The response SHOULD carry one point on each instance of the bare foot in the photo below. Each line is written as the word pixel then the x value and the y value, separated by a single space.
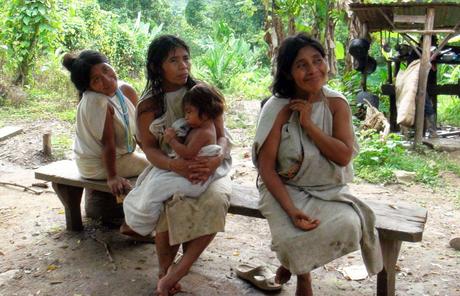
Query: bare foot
pixel 126 230
pixel 167 286
pixel 176 288
pixel 282 275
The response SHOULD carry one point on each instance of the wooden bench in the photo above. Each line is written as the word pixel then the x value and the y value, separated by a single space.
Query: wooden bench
pixel 395 223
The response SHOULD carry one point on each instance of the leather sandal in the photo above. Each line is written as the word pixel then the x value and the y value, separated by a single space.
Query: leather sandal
pixel 260 276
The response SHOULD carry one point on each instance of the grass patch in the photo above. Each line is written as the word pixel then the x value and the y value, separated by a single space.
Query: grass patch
pixel 40 104
pixel 61 144
pixel 449 110
pixel 379 158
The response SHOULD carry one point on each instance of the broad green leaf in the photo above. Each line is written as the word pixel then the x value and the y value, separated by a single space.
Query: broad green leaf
pixel 339 50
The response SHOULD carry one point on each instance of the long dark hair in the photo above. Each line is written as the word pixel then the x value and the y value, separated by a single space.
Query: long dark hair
pixel 80 66
pixel 206 99
pixel 158 52
pixel 283 84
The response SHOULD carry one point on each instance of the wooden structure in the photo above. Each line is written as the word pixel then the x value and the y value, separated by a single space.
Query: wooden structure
pixel 425 19
pixel 395 223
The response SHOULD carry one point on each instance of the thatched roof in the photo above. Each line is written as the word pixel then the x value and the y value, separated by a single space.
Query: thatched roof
pixel 447 14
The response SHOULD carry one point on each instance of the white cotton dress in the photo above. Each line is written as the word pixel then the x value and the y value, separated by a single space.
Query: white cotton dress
pixel 91 115
pixel 184 218
pixel 317 187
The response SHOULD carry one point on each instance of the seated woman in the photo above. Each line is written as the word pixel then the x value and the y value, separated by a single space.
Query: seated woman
pixel 104 143
pixel 192 222
pixel 192 136
pixel 303 147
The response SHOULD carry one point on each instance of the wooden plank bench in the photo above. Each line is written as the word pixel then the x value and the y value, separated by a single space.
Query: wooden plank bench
pixel 395 223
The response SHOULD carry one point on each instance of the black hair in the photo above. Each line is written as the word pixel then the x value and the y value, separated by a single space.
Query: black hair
pixel 80 66
pixel 283 85
pixel 206 99
pixel 158 52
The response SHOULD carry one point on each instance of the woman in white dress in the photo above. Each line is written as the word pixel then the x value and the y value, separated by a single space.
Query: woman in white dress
pixel 104 142
pixel 303 149
pixel 191 222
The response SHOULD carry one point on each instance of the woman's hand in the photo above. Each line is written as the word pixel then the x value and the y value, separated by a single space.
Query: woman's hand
pixel 180 166
pixel 304 108
pixel 119 185
pixel 303 221
pixel 203 167
pixel 169 134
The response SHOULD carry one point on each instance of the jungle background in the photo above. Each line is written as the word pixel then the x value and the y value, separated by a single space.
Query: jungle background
pixel 232 46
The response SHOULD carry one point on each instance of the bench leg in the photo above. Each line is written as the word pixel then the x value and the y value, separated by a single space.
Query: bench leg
pixel 386 278
pixel 70 197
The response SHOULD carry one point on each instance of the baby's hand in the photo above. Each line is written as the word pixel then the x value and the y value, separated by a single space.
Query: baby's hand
pixel 169 134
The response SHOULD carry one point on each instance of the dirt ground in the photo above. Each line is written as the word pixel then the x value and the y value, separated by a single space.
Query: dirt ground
pixel 39 257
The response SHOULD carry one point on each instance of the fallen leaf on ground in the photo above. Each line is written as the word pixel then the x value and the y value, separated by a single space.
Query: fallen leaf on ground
pixel 354 272
pixel 52 267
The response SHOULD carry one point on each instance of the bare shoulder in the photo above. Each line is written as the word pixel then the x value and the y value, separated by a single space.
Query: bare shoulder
pixel 129 92
pixel 337 104
pixel 146 106
pixel 204 134
pixel 283 116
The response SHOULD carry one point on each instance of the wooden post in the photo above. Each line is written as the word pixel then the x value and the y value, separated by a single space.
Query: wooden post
pixel 364 35
pixel 70 197
pixel 423 79
pixel 386 279
pixel 47 144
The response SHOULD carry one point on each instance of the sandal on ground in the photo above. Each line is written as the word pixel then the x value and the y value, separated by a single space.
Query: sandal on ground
pixel 260 276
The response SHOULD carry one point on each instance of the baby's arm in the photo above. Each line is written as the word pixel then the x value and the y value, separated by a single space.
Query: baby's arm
pixel 197 139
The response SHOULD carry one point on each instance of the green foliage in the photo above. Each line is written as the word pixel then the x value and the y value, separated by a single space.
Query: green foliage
pixel 379 158
pixel 244 17
pixel 194 13
pixel 449 110
pixel 154 12
pixel 62 146
pixel 251 85
pixel 339 50
pixel 30 27
pixel 448 106
pixel 51 94
pixel 225 56
pixel 124 43
pixel 348 84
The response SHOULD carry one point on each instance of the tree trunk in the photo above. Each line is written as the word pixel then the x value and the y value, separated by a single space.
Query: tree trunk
pixel 354 30
pixel 274 35
pixel 24 67
pixel 291 26
pixel 329 43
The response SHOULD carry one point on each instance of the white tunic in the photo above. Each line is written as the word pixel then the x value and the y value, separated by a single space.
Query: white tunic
pixel 91 114
pixel 318 187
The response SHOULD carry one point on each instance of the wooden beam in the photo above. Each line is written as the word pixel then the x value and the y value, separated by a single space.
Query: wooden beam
pixel 425 31
pixel 445 40
pixel 9 131
pixel 387 18
pixel 446 89
pixel 423 79
pixel 419 19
